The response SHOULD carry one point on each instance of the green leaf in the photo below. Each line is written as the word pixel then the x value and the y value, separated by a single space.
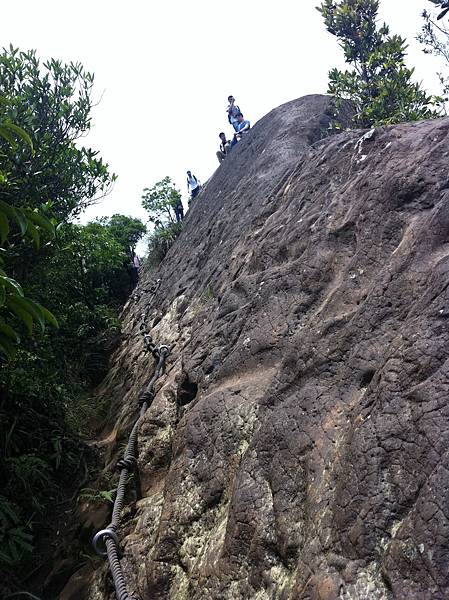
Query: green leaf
pixel 23 315
pixel 21 220
pixel 7 135
pixel 7 209
pixel 32 308
pixel 49 317
pixel 9 332
pixel 12 285
pixel 21 133
pixel 41 222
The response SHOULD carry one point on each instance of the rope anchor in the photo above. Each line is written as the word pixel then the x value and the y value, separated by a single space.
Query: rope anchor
pixel 106 542
pixel 164 350
pixel 99 541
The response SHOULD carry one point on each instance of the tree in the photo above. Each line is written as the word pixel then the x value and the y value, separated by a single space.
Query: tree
pixel 379 86
pixel 434 38
pixel 126 230
pixel 45 175
pixel 160 201
pixel 52 103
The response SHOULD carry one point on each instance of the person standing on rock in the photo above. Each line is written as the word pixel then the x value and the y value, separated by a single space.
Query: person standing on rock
pixel 134 267
pixel 225 147
pixel 243 126
pixel 179 211
pixel 193 185
pixel 233 110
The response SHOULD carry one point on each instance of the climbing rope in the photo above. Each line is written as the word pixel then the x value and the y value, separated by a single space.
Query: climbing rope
pixel 106 542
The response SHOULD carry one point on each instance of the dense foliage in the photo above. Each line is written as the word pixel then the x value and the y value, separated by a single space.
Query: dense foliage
pixel 379 86
pixel 79 273
pixel 52 103
pixel 83 279
pixel 159 201
pixel 126 230
pixel 15 224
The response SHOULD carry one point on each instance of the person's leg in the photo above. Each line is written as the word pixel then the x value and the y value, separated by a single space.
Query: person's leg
pixel 236 125
pixel 221 156
pixel 195 192
pixel 181 213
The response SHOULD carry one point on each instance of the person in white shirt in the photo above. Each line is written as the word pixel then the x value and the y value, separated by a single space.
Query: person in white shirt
pixel 193 185
pixel 232 110
pixel 134 267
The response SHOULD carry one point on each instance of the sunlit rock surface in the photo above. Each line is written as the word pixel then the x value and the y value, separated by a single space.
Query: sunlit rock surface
pixel 298 446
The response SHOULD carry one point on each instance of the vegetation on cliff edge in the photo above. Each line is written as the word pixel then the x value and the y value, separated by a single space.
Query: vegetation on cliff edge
pixel 76 276
pixel 379 86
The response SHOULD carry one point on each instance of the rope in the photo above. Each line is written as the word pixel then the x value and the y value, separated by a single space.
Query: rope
pixel 106 541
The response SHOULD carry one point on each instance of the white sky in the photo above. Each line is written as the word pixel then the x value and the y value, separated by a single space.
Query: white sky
pixel 164 70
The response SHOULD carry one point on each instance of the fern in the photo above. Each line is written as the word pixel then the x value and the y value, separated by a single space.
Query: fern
pixel 15 538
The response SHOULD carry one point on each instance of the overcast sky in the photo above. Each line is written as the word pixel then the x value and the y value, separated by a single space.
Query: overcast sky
pixel 164 70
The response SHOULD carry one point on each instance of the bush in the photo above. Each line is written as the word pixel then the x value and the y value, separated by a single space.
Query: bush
pixel 160 242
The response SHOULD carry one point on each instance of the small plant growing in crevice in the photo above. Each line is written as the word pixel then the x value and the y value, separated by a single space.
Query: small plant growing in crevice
pixel 97 496
pixel 208 294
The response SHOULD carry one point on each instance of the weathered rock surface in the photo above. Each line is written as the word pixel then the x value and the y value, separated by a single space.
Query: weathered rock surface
pixel 298 446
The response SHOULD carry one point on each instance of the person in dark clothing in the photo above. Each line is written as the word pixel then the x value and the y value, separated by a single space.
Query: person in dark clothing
pixel 225 147
pixel 179 211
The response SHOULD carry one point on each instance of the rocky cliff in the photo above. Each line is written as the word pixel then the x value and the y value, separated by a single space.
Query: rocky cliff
pixel 298 445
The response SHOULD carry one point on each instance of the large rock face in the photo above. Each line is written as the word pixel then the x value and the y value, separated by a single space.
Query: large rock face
pixel 298 447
